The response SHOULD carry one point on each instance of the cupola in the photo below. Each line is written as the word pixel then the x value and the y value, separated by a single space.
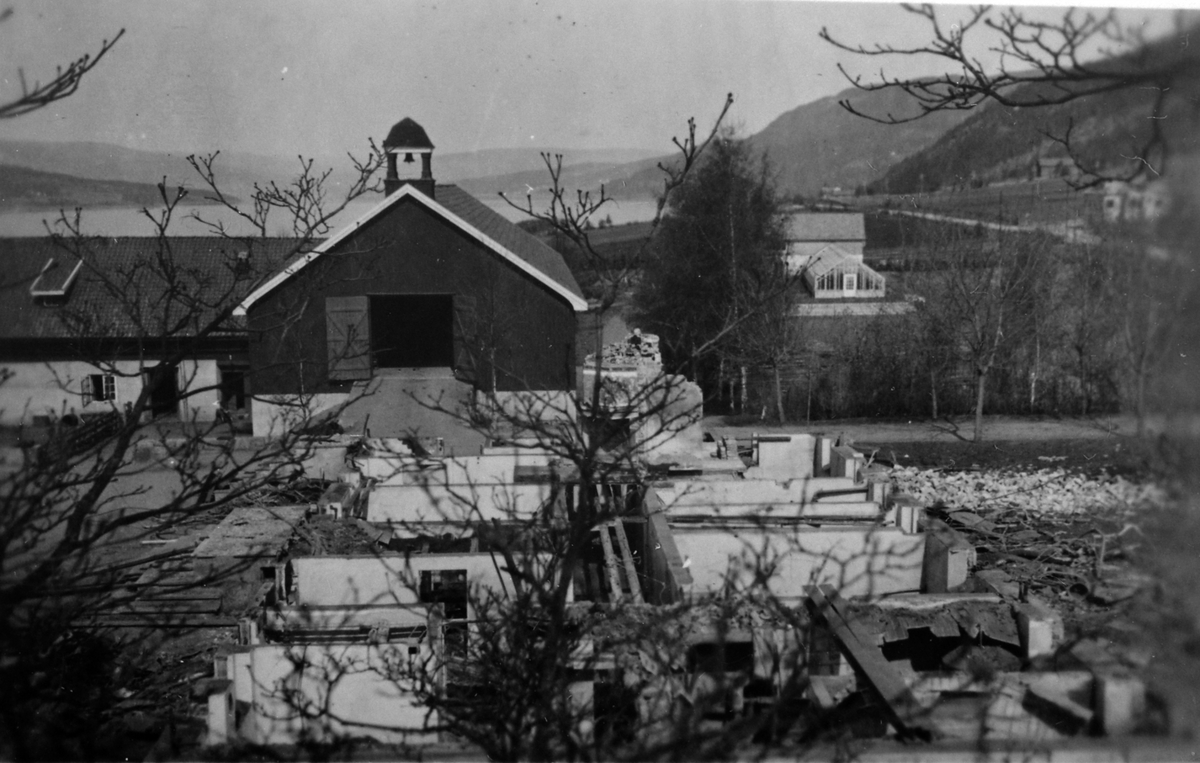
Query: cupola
pixel 405 141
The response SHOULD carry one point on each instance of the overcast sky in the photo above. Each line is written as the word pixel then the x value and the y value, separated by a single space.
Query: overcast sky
pixel 320 77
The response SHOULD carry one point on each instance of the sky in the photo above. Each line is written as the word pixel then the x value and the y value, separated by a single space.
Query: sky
pixel 319 78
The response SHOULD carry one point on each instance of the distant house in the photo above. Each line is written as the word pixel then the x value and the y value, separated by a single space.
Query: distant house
pixel 1048 167
pixel 1135 202
pixel 430 283
pixel 78 336
pixel 826 249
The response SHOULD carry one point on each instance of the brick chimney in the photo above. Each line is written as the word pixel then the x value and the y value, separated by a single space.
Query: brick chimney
pixel 404 143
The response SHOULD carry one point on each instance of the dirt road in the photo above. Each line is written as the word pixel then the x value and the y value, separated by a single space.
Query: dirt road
pixel 998 428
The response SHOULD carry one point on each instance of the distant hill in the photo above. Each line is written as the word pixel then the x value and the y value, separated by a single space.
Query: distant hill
pixel 26 189
pixel 108 162
pixel 814 145
pixel 998 143
pixel 821 144
pixel 621 180
pixel 240 171
pixel 466 168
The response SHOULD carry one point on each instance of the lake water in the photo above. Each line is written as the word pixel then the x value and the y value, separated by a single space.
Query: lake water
pixel 127 221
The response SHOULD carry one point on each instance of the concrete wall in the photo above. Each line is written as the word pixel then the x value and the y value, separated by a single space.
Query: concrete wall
pixel 410 504
pixel 200 375
pixel 275 415
pixel 783 457
pixel 287 682
pixel 340 581
pixel 391 465
pixel 858 560
pixel 55 388
pixel 457 489
pixel 667 580
pixel 766 498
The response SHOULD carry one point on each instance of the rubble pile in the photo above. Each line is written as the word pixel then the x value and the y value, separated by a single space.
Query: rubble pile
pixel 1044 491
pixel 637 349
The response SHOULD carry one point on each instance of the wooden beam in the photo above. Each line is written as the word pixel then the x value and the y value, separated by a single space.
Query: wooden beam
pixel 860 647
pixel 635 588
pixel 610 563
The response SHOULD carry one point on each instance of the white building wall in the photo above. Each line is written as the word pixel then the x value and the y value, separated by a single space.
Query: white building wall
pixel 341 581
pixel 857 560
pixel 56 388
pixel 287 683
pixel 276 415
pixel 203 378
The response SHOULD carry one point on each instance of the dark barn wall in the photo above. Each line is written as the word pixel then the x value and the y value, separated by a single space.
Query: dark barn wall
pixel 410 250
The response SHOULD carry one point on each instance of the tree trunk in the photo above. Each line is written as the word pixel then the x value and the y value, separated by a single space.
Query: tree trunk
pixel 981 381
pixel 721 383
pixel 808 401
pixel 742 404
pixel 933 400
pixel 779 396
pixel 1033 374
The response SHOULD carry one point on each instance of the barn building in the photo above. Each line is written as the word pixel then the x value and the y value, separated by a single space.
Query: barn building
pixel 430 287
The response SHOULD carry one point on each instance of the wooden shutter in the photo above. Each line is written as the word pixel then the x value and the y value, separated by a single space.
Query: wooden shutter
pixel 348 335
pixel 466 339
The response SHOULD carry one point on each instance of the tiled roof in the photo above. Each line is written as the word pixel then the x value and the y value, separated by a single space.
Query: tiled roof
pixel 509 239
pixel 122 290
pixel 508 234
pixel 826 226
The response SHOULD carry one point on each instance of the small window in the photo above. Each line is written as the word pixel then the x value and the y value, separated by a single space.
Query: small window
pixel 99 388
pixel 446 587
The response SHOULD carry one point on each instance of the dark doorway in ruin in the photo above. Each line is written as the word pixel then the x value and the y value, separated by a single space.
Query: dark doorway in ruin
pixel 412 330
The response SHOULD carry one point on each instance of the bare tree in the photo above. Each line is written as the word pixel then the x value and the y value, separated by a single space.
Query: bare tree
pixel 574 218
pixel 986 295
pixel 62 85
pixel 76 510
pixel 1011 58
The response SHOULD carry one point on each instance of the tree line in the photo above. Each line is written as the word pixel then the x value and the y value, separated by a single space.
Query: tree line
pixel 996 321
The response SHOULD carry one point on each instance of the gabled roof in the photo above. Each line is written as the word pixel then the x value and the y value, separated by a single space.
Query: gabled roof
pixel 830 259
pixel 469 215
pixel 118 290
pixel 826 226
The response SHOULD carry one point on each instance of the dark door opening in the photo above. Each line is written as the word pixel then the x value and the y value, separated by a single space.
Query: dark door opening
pixel 412 330
pixel 233 387
pixel 164 397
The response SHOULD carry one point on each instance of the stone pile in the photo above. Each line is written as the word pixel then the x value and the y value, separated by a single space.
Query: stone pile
pixel 1042 491
pixel 637 349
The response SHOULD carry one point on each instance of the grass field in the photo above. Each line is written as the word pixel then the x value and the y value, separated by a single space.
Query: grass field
pixel 1042 202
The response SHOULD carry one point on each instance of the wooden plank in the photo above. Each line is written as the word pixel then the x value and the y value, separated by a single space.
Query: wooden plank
pixel 182 606
pixel 1058 701
pixel 182 594
pixel 610 563
pixel 904 708
pixel 635 588
pixel 173 578
pixel 182 620
pixel 594 587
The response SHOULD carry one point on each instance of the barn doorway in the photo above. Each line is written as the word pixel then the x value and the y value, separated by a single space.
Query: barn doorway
pixel 412 330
